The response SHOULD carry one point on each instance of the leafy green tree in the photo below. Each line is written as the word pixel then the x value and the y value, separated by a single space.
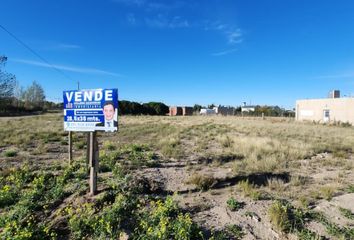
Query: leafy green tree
pixel 211 106
pixel 238 110
pixel 156 108
pixel 274 111
pixel 196 108
pixel 134 108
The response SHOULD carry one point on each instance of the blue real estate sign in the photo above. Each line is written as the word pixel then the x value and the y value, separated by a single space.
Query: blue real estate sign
pixel 91 110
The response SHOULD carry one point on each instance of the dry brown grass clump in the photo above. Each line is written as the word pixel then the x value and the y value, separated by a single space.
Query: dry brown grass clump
pixel 202 182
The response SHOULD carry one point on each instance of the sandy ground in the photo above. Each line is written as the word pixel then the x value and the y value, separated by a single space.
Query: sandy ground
pixel 209 208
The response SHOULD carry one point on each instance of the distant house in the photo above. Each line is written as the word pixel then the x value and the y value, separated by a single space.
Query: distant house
pixel 248 108
pixel 224 110
pixel 175 111
pixel 205 111
pixel 180 111
pixel 187 111
pixel 326 110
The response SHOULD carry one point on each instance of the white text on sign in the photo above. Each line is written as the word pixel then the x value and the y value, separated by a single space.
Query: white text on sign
pixel 89 96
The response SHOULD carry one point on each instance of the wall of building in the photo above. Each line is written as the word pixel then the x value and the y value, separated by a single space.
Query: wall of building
pixel 340 109
pixel 205 111
pixel 224 110
pixel 248 109
pixel 175 111
pixel 187 111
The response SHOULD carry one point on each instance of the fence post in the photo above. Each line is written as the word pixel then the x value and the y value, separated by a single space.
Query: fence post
pixel 87 151
pixel 70 147
pixel 93 163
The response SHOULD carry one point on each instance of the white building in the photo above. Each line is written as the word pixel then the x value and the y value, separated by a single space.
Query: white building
pixel 205 111
pixel 249 108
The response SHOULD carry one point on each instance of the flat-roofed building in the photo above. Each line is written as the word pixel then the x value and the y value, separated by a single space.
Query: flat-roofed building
pixel 248 108
pixel 175 111
pixel 181 111
pixel 205 111
pixel 326 110
pixel 224 111
pixel 187 111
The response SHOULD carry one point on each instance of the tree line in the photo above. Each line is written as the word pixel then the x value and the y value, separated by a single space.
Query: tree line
pixel 135 108
pixel 17 99
pixel 273 111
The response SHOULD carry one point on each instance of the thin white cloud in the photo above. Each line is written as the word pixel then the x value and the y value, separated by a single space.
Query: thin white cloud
pixel 160 21
pixel 221 27
pixel 131 19
pixel 178 22
pixel 235 36
pixel 67 68
pixel 158 6
pixel 149 5
pixel 222 53
pixel 348 75
pixel 67 46
pixel 49 45
pixel 163 15
pixel 163 21
pixel 131 2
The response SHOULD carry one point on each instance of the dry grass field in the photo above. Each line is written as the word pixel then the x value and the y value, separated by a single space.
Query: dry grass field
pixel 179 178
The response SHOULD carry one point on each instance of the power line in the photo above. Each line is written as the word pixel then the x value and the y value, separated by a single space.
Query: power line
pixel 36 54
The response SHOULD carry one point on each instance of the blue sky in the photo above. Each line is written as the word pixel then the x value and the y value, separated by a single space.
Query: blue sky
pixel 184 52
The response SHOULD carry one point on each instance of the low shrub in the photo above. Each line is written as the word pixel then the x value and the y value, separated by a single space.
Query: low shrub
pixel 81 220
pixel 279 215
pixel 306 234
pixel 8 196
pixel 350 189
pixel 115 217
pixel 286 218
pixel 108 145
pixel 229 232
pixel 298 180
pixel 276 184
pixel 80 144
pixel 202 182
pixel 235 231
pixel 163 220
pixel 332 228
pixel 327 192
pixel 28 228
pixel 249 190
pixel 233 204
pixel 227 142
pixel 227 157
pixel 10 153
pixel 346 213
pixel 172 148
pixel 341 154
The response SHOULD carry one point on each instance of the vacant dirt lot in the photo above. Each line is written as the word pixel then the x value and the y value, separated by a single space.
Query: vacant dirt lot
pixel 179 178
